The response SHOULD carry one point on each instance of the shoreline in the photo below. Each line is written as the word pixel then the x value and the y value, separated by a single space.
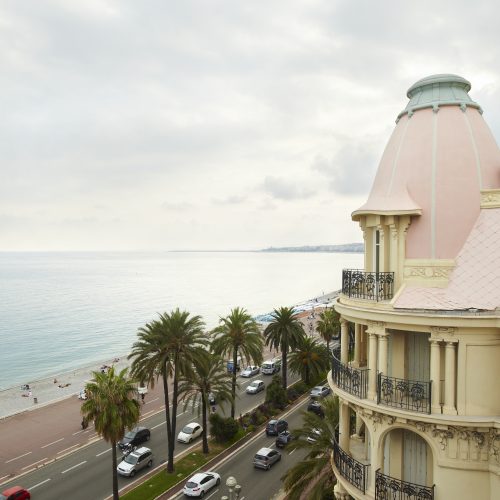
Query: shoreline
pixel 45 391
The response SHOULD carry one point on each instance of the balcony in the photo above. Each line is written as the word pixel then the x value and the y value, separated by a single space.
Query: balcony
pixel 389 488
pixel 405 394
pixel 349 379
pixel 356 473
pixel 358 284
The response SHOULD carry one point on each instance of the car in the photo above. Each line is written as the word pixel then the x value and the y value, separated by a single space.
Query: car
pixel 15 493
pixel 135 461
pixel 189 432
pixel 313 437
pixel 284 438
pixel 275 427
pixel 320 391
pixel 255 387
pixel 250 371
pixel 265 458
pixel 200 483
pixel 211 398
pixel 134 438
pixel 316 407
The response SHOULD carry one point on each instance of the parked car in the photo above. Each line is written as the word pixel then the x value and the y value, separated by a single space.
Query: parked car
pixel 134 438
pixel 265 458
pixel 250 371
pixel 211 398
pixel 135 461
pixel 320 391
pixel 200 483
pixel 255 387
pixel 284 438
pixel 275 427
pixel 15 493
pixel 316 407
pixel 313 437
pixel 190 432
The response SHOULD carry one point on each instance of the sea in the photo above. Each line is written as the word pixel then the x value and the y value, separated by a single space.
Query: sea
pixel 61 311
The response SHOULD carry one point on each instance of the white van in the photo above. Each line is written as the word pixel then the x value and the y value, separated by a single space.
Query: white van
pixel 271 366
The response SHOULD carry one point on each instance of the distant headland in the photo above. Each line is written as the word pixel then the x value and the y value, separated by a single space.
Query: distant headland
pixel 345 248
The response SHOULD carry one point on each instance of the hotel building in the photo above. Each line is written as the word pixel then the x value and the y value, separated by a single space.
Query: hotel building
pixel 419 382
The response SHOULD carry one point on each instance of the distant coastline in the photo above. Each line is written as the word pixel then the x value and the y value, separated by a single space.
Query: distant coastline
pixel 345 248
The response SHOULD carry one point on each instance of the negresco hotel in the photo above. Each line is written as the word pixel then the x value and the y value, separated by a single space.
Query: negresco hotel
pixel 419 388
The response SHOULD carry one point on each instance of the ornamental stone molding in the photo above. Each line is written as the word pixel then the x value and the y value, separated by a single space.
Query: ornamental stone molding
pixel 376 327
pixel 494 445
pixel 490 198
pixel 443 334
pixel 428 272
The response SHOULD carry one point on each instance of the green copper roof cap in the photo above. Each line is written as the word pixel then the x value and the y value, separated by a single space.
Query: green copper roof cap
pixel 439 90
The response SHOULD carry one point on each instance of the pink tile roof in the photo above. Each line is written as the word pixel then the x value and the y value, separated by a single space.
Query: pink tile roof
pixel 474 283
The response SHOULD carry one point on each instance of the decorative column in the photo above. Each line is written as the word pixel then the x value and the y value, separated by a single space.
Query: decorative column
pixel 357 345
pixel 344 431
pixel 381 249
pixel 382 353
pixel 435 363
pixel 372 365
pixel 450 378
pixel 344 341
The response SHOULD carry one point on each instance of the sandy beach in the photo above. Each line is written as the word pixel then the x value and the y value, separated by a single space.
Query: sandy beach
pixel 64 385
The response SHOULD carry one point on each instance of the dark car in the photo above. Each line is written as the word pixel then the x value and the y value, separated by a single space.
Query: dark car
pixel 316 407
pixel 284 438
pixel 134 438
pixel 275 427
pixel 15 493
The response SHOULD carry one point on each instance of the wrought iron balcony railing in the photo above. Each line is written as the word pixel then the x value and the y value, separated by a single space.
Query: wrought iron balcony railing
pixel 389 488
pixel 359 284
pixel 410 395
pixel 350 469
pixel 349 379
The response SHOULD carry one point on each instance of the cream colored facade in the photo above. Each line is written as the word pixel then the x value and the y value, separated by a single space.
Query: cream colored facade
pixel 419 382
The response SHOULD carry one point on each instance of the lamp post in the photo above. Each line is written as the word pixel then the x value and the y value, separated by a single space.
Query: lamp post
pixel 234 489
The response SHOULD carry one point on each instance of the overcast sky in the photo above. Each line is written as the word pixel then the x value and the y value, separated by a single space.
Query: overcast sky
pixel 164 125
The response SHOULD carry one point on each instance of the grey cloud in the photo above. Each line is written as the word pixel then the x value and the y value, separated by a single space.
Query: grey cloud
pixel 283 189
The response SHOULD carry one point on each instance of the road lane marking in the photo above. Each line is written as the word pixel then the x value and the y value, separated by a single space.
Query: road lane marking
pixel 179 414
pixel 74 467
pixel 50 444
pixel 39 484
pixel 212 494
pixel 3 477
pixel 20 456
pixel 158 425
pixel 69 448
pixel 289 454
pixel 77 432
pixel 31 465
pixel 145 415
pixel 103 452
pixel 152 401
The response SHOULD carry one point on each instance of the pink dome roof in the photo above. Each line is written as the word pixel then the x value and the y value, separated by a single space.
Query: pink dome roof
pixel 438 159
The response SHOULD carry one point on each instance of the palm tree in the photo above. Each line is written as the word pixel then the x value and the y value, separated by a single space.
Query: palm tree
pixel 284 332
pixel 209 375
pixel 310 358
pixel 111 403
pixel 167 348
pixel 238 334
pixel 328 326
pixel 313 475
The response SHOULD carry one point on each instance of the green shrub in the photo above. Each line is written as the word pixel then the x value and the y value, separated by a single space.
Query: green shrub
pixel 275 394
pixel 301 387
pixel 223 429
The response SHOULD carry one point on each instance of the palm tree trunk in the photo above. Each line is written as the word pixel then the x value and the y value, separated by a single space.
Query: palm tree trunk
pixel 233 382
pixel 205 424
pixel 115 473
pixel 171 444
pixel 167 413
pixel 284 352
pixel 307 374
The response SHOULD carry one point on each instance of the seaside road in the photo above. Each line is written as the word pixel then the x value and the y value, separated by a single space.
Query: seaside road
pixel 86 472
pixel 258 484
pixel 32 438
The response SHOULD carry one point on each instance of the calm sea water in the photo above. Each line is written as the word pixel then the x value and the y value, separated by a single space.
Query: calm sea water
pixel 61 311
